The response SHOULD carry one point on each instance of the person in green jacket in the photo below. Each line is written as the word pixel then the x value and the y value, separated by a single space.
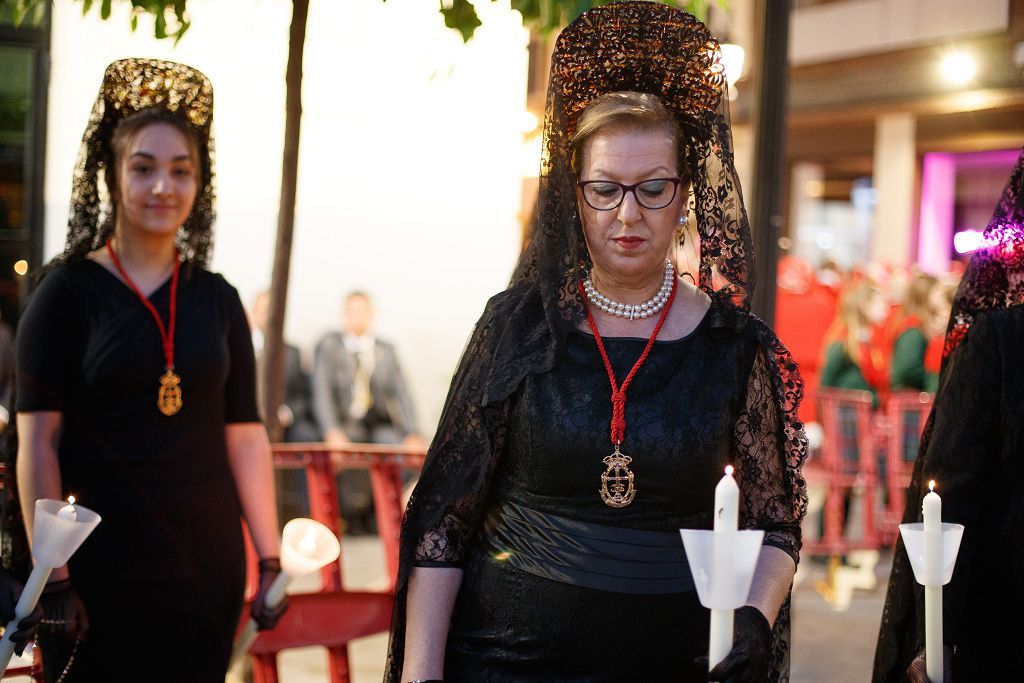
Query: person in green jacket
pixel 910 338
pixel 850 360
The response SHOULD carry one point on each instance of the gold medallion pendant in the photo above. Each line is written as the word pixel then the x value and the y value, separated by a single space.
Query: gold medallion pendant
pixel 169 398
pixel 617 481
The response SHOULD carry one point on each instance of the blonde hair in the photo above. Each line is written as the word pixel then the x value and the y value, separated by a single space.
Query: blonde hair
pixel 916 299
pixel 851 324
pixel 632 111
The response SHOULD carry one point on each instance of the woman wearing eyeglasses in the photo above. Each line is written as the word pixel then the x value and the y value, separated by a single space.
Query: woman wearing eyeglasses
pixel 602 396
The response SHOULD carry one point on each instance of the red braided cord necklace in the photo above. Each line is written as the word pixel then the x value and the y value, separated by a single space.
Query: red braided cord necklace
pixel 617 488
pixel 169 397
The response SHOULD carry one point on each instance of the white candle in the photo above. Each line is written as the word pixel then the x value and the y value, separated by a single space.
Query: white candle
pixel 68 511
pixel 932 510
pixel 727 504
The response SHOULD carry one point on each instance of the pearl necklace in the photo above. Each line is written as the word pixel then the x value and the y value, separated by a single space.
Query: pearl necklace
pixel 628 311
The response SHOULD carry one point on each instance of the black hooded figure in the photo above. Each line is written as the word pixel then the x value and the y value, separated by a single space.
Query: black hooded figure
pixel 973 448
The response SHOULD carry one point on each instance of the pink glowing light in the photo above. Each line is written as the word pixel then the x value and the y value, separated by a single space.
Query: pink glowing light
pixel 967 241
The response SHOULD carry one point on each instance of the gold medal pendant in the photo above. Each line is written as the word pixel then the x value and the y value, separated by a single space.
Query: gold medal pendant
pixel 169 398
pixel 617 481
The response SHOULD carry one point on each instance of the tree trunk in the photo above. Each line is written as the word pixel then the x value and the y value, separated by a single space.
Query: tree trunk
pixel 770 104
pixel 273 350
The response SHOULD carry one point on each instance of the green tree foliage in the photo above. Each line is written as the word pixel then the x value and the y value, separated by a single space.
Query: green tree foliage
pixel 546 16
pixel 170 16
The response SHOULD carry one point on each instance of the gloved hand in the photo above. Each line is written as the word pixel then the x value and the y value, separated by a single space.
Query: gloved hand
pixel 10 590
pixel 749 658
pixel 265 617
pixel 917 672
pixel 63 610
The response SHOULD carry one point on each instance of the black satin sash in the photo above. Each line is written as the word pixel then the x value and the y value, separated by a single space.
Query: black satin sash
pixel 598 556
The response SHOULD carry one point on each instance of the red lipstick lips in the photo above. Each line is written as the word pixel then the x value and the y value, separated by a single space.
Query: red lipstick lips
pixel 630 242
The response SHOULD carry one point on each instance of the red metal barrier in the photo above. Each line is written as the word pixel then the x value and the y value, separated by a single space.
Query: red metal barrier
pixel 334 616
pixel 900 462
pixel 874 437
pixel 842 474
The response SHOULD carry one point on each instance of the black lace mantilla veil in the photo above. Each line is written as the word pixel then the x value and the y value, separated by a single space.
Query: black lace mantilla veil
pixel 629 46
pixel 994 279
pixel 129 86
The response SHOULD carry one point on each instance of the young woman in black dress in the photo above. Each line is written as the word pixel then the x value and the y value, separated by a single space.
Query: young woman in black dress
pixel 136 394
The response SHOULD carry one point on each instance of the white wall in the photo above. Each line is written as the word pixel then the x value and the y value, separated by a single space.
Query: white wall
pixel 410 161
pixel 836 30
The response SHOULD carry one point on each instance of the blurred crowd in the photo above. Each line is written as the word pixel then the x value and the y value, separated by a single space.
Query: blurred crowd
pixel 875 328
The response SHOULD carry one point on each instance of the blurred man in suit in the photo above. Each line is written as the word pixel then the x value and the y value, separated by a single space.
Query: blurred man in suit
pixel 360 396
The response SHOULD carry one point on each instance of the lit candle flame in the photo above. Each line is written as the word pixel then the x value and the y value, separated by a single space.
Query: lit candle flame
pixel 931 485
pixel 729 470
pixel 68 511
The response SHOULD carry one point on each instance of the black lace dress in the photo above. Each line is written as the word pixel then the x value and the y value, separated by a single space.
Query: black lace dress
pixel 162 576
pixel 697 404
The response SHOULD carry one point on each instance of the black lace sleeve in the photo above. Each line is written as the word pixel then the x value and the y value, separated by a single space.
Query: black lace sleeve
pixel 447 508
pixel 479 435
pixel 771 502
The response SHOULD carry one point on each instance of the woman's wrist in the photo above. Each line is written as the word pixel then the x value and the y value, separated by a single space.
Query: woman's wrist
pixel 56 576
pixel 270 564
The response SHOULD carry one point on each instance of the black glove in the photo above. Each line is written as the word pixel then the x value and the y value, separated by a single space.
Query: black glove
pixel 265 617
pixel 748 660
pixel 63 611
pixel 10 590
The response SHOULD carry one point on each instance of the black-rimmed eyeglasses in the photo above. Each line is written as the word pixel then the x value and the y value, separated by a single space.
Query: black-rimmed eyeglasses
pixel 605 195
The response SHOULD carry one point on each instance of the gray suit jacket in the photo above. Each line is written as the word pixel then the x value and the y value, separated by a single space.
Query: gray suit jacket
pixel 333 375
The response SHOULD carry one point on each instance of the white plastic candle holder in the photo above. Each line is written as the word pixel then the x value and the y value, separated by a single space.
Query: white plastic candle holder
pixel 306 547
pixel 55 539
pixel 914 540
pixel 726 587
pixel 723 565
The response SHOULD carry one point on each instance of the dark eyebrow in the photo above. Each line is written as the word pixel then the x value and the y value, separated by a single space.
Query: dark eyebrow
pixel 150 157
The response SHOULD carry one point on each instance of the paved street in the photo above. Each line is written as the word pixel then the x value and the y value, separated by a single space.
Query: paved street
pixel 832 646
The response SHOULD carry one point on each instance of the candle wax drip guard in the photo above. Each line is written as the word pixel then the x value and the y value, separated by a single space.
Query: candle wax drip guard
pixel 914 541
pixel 722 588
